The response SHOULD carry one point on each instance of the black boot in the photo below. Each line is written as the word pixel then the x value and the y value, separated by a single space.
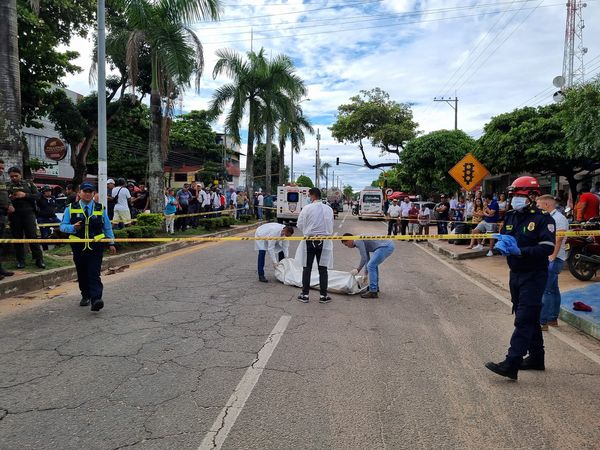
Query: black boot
pixel 530 363
pixel 97 304
pixel 263 279
pixel 503 368
pixel 40 263
pixel 6 273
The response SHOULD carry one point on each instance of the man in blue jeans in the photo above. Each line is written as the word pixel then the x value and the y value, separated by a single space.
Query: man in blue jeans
pixel 277 249
pixel 551 299
pixel 372 253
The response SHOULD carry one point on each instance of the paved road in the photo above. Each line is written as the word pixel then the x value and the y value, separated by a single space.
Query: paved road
pixel 181 333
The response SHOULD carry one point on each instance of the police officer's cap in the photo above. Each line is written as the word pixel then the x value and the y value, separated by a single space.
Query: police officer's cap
pixel 87 186
pixel 46 188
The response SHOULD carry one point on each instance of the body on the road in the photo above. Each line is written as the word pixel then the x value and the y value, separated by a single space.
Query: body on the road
pixel 277 249
pixel 372 254
pixel 87 219
pixel 527 239
pixel 316 219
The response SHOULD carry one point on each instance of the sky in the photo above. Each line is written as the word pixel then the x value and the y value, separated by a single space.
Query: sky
pixel 494 56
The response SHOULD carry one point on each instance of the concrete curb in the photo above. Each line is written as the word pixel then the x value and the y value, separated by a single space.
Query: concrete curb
pixel 588 327
pixel 43 280
pixel 449 253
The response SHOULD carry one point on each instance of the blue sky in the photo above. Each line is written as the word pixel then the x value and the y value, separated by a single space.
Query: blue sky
pixel 494 55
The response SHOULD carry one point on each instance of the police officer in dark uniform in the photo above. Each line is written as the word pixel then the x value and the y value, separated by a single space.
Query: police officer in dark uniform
pixel 23 195
pixel 527 239
pixel 5 208
pixel 87 219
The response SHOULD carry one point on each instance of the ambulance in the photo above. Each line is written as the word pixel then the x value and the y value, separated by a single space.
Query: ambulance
pixel 370 203
pixel 290 201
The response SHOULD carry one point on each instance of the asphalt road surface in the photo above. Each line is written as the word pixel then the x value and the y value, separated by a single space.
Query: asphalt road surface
pixel 191 351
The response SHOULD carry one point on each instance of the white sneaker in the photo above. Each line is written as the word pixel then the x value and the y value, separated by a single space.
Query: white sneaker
pixel 489 253
pixel 478 247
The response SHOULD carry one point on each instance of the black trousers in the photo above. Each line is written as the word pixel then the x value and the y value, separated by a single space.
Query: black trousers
pixel 392 226
pixel 403 225
pixel 24 225
pixel 88 264
pixel 526 291
pixel 314 250
pixel 182 222
pixel 2 231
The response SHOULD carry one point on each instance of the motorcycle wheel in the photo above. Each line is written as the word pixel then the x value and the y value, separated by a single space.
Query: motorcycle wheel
pixel 581 270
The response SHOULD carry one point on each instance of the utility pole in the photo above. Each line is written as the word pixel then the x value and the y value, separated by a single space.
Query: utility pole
pixel 450 100
pixel 327 178
pixel 102 162
pixel 318 163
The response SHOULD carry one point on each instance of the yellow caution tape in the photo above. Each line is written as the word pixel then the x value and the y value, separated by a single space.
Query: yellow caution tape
pixel 291 238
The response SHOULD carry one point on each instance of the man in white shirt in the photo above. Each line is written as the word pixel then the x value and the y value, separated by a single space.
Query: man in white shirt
pixel 206 200
pixel 316 219
pixel 216 201
pixel 277 249
pixel 121 196
pixel 551 300
pixel 405 208
pixel 424 219
pixel 233 198
pixel 394 212
pixel 261 203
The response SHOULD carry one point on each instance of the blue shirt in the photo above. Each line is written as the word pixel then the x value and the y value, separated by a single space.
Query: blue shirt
pixel 170 207
pixel 366 247
pixel 67 227
pixel 493 205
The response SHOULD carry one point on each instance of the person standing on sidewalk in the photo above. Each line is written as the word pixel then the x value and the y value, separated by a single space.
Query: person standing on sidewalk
pixel 46 207
pixel 372 254
pixel 551 299
pixel 23 195
pixel 405 208
pixel 527 239
pixel 277 249
pixel 316 219
pixel 5 208
pixel 393 213
pixel 87 219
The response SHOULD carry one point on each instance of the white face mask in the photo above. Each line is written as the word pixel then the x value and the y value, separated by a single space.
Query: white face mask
pixel 519 203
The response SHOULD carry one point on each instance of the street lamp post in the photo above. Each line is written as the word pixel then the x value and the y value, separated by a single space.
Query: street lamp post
pixel 102 160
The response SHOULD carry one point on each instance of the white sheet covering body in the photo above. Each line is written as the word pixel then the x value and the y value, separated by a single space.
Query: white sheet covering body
pixel 289 272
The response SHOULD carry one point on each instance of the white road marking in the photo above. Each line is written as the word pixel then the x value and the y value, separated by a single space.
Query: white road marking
pixel 556 333
pixel 343 220
pixel 224 422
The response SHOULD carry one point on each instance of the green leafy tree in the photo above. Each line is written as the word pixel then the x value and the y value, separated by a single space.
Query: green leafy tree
pixel 260 164
pixel 162 31
pixel 293 128
pixel 372 116
pixel 265 89
pixel 348 192
pixel 304 181
pixel 426 160
pixel 191 133
pixel 532 140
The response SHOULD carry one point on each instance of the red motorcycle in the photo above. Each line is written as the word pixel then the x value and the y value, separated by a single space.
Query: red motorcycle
pixel 584 251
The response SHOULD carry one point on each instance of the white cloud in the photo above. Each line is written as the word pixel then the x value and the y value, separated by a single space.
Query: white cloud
pixel 502 59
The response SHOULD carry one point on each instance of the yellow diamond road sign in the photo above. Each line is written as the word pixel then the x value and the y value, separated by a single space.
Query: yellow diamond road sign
pixel 469 172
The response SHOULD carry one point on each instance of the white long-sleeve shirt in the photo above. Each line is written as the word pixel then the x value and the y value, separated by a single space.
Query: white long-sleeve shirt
pixel 275 246
pixel 205 198
pixel 316 219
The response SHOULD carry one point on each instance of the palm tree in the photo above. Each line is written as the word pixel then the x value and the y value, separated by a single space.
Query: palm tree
pixel 11 150
pixel 324 173
pixel 267 89
pixel 176 55
pixel 292 128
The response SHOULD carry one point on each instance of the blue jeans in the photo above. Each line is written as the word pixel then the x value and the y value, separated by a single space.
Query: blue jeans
pixel 377 257
pixel 551 299
pixel 261 261
pixel 259 212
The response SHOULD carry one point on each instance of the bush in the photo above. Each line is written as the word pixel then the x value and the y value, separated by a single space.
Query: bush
pixel 149 231
pixel 134 232
pixel 150 220
pixel 120 234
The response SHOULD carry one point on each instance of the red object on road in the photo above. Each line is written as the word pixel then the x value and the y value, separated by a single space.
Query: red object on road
pixel 580 306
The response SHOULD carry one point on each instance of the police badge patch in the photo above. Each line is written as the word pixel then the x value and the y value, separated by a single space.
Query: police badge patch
pixel 551 227
pixel 531 226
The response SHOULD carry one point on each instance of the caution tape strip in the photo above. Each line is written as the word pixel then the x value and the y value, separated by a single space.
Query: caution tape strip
pixel 291 238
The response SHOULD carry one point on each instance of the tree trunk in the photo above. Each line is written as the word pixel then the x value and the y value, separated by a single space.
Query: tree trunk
pixel 268 157
pixel 250 163
pixel 281 167
pixel 155 156
pixel 10 86
pixel 572 187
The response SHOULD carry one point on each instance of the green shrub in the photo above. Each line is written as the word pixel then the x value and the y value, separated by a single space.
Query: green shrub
pixel 134 232
pixel 150 220
pixel 149 231
pixel 120 234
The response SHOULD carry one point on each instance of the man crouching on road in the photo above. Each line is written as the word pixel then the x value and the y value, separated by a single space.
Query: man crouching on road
pixel 278 249
pixel 372 253
pixel 87 219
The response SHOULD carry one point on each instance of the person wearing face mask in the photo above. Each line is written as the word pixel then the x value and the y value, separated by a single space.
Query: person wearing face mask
pixel 527 239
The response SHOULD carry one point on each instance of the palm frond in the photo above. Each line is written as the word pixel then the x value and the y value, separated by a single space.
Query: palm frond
pixel 194 42
pixel 190 11
pixel 135 41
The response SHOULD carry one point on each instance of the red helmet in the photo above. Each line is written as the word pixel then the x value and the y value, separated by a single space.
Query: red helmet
pixel 525 186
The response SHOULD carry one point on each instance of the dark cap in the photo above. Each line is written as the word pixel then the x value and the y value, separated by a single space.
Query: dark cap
pixel 87 187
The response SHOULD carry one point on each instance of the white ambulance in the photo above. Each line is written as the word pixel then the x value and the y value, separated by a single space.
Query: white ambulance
pixel 290 201
pixel 370 203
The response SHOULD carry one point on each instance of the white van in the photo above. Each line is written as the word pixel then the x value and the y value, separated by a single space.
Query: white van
pixel 370 203
pixel 290 201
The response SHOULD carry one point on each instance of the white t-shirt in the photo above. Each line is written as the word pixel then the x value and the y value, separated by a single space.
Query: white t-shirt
pixel 562 224
pixel 122 198
pixel 424 215
pixel 261 200
pixel 394 210
pixel 405 207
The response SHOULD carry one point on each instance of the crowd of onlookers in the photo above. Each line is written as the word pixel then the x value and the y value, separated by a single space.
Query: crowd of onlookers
pixel 474 213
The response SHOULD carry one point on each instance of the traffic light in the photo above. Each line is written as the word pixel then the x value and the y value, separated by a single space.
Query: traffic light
pixel 337 161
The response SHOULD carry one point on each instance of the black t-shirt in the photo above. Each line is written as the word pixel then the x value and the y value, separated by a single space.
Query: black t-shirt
pixel 444 215
pixel 140 200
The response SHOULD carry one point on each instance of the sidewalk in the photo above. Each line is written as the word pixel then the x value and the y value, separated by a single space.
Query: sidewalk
pixel 495 270
pixel 23 282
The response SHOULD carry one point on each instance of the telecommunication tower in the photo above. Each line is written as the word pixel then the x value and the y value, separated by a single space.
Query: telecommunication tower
pixel 573 69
